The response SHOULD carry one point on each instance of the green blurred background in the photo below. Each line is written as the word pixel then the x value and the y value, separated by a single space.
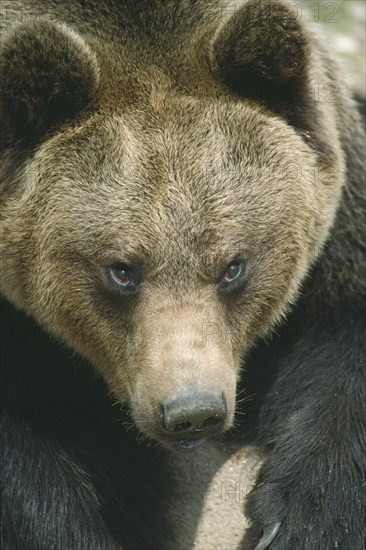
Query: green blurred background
pixel 343 24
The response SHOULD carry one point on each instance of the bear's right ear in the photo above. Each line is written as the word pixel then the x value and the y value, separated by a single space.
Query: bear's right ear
pixel 47 74
pixel 262 52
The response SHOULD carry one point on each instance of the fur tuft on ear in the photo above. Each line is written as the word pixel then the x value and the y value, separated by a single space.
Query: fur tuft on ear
pixel 47 73
pixel 262 51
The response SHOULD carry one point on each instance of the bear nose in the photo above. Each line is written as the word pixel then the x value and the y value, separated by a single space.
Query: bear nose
pixel 200 411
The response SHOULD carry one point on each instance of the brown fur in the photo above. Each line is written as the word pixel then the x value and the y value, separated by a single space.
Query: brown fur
pixel 164 165
pixel 177 137
pixel 171 168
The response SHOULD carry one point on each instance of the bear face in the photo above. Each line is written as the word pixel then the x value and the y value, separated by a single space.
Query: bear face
pixel 150 236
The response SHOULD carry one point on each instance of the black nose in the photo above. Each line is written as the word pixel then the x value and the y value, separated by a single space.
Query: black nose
pixel 199 411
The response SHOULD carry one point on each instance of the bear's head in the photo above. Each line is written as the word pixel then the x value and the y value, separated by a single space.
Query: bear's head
pixel 159 220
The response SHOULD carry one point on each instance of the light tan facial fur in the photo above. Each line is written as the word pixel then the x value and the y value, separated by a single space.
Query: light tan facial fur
pixel 179 182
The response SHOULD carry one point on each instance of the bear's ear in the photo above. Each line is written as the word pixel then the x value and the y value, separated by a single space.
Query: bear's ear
pixel 47 73
pixel 262 51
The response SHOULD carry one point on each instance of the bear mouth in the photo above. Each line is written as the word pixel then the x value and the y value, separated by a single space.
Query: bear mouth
pixel 187 441
pixel 187 444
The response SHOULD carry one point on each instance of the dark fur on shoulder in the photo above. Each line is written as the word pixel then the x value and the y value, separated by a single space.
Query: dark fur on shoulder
pixel 310 410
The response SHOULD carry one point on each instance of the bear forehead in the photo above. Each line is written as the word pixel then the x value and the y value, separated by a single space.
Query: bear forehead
pixel 182 145
pixel 176 173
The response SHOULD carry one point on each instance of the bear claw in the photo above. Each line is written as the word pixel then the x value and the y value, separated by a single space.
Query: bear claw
pixel 269 533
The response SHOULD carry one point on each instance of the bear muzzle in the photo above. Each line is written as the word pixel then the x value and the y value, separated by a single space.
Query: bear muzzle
pixel 190 418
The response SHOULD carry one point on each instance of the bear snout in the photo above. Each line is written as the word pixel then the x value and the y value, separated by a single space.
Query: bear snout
pixel 193 416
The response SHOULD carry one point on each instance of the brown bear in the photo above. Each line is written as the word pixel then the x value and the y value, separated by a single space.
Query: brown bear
pixel 182 223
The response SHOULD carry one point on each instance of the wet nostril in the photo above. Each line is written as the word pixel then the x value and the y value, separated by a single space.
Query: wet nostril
pixel 211 422
pixel 183 427
pixel 167 424
pixel 194 412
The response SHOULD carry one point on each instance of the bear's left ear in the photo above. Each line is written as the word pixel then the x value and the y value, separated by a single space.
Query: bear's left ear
pixel 47 73
pixel 263 52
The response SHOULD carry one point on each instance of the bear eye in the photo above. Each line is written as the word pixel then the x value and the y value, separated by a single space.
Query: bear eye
pixel 124 277
pixel 233 276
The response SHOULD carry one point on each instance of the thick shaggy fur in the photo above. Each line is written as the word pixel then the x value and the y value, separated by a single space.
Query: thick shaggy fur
pixel 177 137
